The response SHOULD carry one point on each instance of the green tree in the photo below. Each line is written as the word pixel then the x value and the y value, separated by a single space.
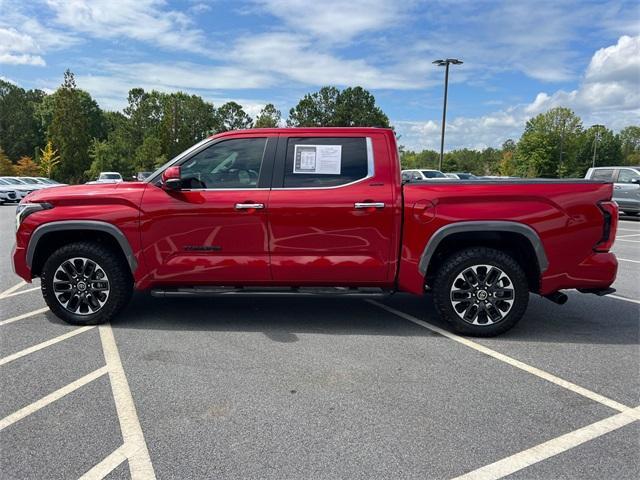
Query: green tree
pixel 600 141
pixel 49 160
pixel 507 165
pixel 6 165
pixel 269 117
pixel 75 120
pixel 231 116
pixel 20 129
pixel 186 119
pixel 629 138
pixel 26 167
pixel 549 145
pixel 149 155
pixel 330 107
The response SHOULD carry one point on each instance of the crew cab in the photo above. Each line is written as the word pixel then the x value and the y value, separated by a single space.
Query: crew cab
pixel 316 211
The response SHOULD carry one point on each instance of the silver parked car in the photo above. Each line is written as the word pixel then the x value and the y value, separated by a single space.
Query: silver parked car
pixel 626 185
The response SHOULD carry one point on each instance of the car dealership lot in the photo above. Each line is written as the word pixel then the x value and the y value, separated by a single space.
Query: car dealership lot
pixel 270 387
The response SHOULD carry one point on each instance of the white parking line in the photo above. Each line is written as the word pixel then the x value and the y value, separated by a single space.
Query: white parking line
pixel 551 448
pixel 596 397
pixel 618 297
pixel 20 292
pixel 24 315
pixel 625 240
pixel 628 229
pixel 140 465
pixel 630 235
pixel 52 397
pixel 12 289
pixel 628 260
pixel 106 466
pixel 40 346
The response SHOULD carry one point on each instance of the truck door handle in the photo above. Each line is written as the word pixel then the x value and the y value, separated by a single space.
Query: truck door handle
pixel 369 205
pixel 249 206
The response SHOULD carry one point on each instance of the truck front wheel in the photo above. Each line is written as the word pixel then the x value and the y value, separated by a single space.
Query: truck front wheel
pixel 85 283
pixel 481 291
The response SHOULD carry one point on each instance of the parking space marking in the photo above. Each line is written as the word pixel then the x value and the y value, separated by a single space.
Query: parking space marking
pixel 551 448
pixel 619 239
pixel 24 315
pixel 106 466
pixel 628 260
pixel 40 346
pixel 596 397
pixel 618 297
pixel 139 460
pixel 52 397
pixel 630 235
pixel 20 292
pixel 628 229
pixel 12 289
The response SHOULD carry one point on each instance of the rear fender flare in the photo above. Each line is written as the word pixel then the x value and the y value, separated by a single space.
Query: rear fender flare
pixel 483 226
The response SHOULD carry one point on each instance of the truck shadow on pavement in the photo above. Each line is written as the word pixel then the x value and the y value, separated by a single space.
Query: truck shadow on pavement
pixel 586 319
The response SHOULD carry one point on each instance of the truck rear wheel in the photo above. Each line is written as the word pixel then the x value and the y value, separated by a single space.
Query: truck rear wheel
pixel 481 291
pixel 85 283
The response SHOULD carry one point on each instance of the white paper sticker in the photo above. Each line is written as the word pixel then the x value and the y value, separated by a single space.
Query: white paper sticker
pixel 317 159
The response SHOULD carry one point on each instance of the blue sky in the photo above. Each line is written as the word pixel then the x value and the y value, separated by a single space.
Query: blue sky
pixel 521 57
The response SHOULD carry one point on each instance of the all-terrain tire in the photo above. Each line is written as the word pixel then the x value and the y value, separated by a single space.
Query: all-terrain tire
pixel 117 273
pixel 495 313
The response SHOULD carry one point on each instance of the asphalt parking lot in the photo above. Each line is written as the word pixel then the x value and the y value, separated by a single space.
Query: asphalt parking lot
pixel 291 388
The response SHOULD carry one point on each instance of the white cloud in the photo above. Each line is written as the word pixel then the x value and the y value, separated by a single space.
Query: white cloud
pixel 18 48
pixel 331 20
pixel 609 94
pixel 297 58
pixel 143 20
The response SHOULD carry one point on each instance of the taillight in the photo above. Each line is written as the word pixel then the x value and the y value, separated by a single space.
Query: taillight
pixel 610 212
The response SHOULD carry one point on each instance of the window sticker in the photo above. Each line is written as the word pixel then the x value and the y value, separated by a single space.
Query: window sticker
pixel 318 159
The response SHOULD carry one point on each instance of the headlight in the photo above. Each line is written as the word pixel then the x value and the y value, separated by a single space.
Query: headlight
pixel 25 209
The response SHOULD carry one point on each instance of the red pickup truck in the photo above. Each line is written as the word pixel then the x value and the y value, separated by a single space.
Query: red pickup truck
pixel 316 211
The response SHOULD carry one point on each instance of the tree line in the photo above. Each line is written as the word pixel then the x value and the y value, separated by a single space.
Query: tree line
pixel 554 144
pixel 67 136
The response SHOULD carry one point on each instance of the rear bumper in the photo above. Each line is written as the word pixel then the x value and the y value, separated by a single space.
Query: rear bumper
pixel 596 272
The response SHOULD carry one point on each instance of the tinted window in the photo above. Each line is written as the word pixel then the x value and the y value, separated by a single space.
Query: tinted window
pixel 228 164
pixel 605 174
pixel 626 176
pixel 406 176
pixel 325 162
pixel 433 174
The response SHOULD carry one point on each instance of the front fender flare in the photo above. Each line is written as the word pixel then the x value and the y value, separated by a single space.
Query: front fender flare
pixel 93 225
pixel 483 226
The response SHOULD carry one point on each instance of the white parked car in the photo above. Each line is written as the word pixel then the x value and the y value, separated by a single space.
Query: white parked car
pixel 626 185
pixel 21 188
pixel 422 174
pixel 8 195
pixel 108 177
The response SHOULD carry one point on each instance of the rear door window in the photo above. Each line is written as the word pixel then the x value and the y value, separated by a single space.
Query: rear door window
pixel 313 162
pixel 626 175
pixel 605 174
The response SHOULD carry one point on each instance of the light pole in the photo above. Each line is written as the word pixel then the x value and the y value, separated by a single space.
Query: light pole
pixel 445 63
pixel 595 143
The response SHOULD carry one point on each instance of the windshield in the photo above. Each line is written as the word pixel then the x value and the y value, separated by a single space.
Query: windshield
pixel 29 180
pixel 14 181
pixel 4 182
pixel 110 176
pixel 433 174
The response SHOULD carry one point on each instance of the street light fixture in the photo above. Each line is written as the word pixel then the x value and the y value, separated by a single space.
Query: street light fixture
pixel 445 63
pixel 596 138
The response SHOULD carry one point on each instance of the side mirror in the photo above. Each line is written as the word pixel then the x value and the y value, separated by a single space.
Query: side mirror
pixel 171 179
pixel 635 180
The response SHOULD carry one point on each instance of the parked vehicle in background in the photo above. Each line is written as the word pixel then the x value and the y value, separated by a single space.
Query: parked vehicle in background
pixel 107 177
pixel 49 181
pixel 23 189
pixel 142 176
pixel 29 181
pixel 462 176
pixel 8 195
pixel 626 186
pixel 421 174
pixel 36 181
pixel 316 211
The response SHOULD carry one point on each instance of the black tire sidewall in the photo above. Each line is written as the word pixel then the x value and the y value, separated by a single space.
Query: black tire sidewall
pixel 464 259
pixel 119 281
